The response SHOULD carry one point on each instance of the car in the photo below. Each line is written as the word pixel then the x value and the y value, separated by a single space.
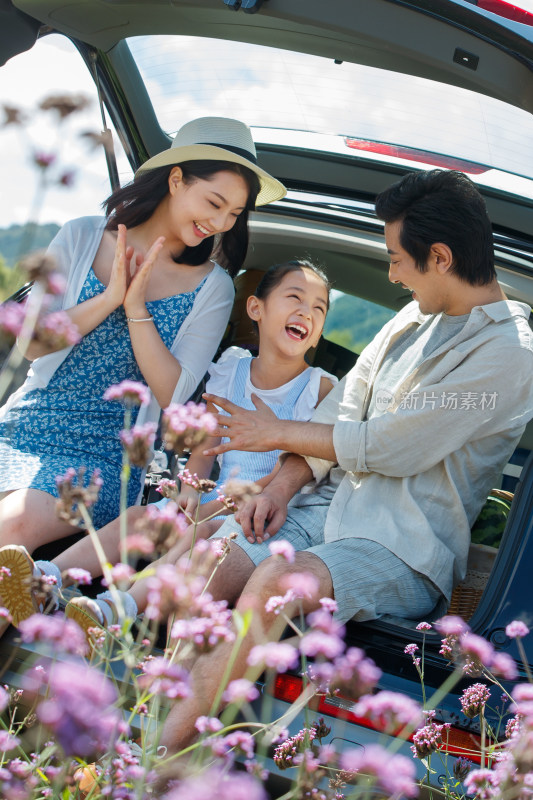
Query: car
pixel 343 99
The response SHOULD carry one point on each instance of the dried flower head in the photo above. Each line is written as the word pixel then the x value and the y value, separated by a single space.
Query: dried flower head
pixel 72 494
pixel 200 485
pixel 98 139
pixel 163 526
pixel 239 492
pixel 168 489
pixel 138 442
pixel 186 426
pixel 12 115
pixel 64 104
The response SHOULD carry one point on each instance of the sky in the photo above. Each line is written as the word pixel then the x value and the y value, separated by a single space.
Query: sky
pixel 60 70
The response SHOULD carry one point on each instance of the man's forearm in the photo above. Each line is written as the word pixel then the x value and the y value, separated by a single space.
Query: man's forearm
pixel 293 474
pixel 304 438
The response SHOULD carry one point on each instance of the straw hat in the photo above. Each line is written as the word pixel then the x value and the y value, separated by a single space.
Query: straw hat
pixel 217 139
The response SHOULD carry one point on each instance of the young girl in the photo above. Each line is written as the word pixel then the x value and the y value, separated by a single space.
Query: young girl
pixel 150 305
pixel 289 308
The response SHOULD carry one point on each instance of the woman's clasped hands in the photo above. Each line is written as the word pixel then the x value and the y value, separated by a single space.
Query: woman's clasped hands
pixel 130 275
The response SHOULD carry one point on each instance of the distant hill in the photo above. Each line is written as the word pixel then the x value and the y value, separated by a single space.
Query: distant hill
pixel 18 240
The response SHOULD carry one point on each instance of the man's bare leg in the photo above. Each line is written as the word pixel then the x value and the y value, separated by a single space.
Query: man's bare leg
pixel 208 671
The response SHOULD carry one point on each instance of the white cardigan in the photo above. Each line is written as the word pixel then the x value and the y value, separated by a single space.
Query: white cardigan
pixel 74 249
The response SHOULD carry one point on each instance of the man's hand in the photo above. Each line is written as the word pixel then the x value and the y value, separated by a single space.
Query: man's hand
pixel 258 511
pixel 246 429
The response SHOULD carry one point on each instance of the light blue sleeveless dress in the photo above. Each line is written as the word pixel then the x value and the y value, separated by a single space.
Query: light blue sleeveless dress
pixel 69 424
pixel 253 466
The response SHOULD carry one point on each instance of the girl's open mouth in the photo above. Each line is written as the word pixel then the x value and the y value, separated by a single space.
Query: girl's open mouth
pixel 298 332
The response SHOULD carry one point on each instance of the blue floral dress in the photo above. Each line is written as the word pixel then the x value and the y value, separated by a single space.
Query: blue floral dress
pixel 69 424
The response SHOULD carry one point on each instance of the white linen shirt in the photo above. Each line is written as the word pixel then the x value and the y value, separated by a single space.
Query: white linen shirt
pixel 415 477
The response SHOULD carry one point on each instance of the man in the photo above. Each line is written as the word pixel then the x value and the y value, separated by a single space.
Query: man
pixel 420 429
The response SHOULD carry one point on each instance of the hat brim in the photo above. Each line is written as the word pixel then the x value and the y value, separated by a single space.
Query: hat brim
pixel 271 189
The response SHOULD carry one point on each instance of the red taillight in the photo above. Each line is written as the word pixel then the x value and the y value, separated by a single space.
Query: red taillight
pixel 457 742
pixel 414 154
pixel 287 688
pixel 507 10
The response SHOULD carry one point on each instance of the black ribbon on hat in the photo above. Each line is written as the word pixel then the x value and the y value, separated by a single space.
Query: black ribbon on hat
pixel 237 150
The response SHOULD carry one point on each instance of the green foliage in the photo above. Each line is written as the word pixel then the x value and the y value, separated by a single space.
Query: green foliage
pixel 11 279
pixel 19 240
pixel 352 322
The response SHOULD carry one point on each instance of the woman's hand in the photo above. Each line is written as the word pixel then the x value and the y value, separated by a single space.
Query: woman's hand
pixel 139 270
pixel 115 291
pixel 246 430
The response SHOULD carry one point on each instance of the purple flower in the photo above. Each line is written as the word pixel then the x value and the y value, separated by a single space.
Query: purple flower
pixel 240 690
pixel 79 709
pixel 478 651
pixel 79 576
pixel 318 643
pixel 138 441
pixel 303 584
pixel 7 741
pixel 281 547
pixel 329 604
pixel 60 632
pixel 522 695
pixel 505 666
pixel 353 674
pixel 275 655
pixel 286 752
pixel 215 782
pixel 56 330
pixel 161 677
pixel 474 699
pixel 411 649
pixel 121 575
pixel 423 626
pixel 186 426
pixel 276 603
pixel 428 738
pixel 451 626
pixel 394 774
pixel 516 629
pixel 72 493
pixel 44 160
pixel 207 630
pixel 208 724
pixel 481 784
pixel 131 393
pixel 139 543
pixel 391 710
pixel 12 317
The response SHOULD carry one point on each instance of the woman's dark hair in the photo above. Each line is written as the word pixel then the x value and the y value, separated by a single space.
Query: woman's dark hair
pixel 275 274
pixel 134 203
pixel 442 206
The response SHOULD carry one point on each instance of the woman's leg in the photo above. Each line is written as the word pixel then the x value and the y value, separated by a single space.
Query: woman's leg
pixel 82 553
pixel 28 517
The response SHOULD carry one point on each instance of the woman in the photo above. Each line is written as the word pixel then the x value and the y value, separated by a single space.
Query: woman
pixel 150 306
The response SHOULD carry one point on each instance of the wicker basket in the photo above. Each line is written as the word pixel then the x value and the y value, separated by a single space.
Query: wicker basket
pixel 467 594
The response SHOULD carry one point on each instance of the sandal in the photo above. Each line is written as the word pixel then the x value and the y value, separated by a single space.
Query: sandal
pixel 16 584
pixel 98 613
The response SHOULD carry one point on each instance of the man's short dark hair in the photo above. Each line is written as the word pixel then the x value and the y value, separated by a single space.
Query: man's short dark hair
pixel 442 206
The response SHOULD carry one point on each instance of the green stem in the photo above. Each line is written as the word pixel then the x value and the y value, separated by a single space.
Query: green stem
pixel 125 473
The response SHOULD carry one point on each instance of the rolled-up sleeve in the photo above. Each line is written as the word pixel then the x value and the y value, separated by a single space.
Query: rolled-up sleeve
pixel 426 427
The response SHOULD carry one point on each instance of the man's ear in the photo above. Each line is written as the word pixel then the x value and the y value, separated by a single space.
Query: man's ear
pixel 174 179
pixel 442 257
pixel 253 308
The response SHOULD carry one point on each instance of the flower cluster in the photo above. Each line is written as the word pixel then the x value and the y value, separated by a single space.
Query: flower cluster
pixel 428 738
pixel 138 442
pixel 162 526
pixel 474 699
pixel 200 485
pixel 186 426
pixel 131 393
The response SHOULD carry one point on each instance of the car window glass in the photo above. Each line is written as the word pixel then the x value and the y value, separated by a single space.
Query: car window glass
pixel 352 322
pixel 274 90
